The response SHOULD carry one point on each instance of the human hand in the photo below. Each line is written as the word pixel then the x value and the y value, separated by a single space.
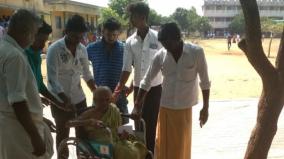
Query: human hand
pixel 136 113
pixel 96 123
pixel 38 146
pixel 203 117
pixel 50 124
pixel 45 102
pixel 124 135
pixel 116 92
pixel 129 90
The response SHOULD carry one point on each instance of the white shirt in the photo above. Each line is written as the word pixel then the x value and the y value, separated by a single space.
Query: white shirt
pixel 180 88
pixel 64 70
pixel 140 54
pixel 17 82
pixel 2 32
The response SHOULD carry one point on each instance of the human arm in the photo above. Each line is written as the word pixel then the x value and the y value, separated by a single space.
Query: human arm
pixel 16 74
pixel 23 116
pixel 50 124
pixel 129 89
pixel 145 84
pixel 204 85
pixel 87 75
pixel 51 99
pixel 84 122
pixel 52 63
pixel 126 70
pixel 85 119
pixel 203 117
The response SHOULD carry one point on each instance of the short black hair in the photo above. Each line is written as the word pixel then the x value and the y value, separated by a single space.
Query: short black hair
pixel 169 31
pixel 76 23
pixel 45 28
pixel 139 8
pixel 111 24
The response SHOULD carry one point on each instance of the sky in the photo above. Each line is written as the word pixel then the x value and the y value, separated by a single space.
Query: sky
pixel 163 7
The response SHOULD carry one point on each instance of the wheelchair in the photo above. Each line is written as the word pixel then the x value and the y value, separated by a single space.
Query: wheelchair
pixel 81 149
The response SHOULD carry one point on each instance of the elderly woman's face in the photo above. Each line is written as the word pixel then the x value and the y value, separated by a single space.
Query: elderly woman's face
pixel 102 99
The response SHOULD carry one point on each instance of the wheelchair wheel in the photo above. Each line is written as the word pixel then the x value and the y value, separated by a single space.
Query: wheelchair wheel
pixel 68 149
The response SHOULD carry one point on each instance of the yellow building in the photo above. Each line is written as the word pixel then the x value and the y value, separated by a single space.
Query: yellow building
pixel 61 10
pixel 7 7
pixel 54 12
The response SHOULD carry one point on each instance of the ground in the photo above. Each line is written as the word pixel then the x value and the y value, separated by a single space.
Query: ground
pixel 233 104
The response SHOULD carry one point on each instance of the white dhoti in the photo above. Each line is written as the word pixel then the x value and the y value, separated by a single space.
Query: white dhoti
pixel 15 143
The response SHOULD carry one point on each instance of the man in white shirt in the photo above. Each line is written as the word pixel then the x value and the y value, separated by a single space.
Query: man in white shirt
pixel 180 64
pixel 140 49
pixel 21 113
pixel 67 60
pixel 2 32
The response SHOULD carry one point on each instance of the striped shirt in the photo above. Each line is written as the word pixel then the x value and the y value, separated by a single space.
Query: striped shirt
pixel 107 66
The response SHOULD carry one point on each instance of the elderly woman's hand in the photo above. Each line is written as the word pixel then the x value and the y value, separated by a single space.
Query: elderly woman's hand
pixel 96 123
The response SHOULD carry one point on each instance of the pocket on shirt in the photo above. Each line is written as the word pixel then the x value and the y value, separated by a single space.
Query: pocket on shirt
pixel 187 74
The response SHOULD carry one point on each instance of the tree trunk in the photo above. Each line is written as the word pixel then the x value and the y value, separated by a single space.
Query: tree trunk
pixel 272 98
pixel 269 46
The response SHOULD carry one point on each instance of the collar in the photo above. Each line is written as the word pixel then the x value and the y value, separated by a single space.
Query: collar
pixel 104 43
pixel 30 51
pixel 150 31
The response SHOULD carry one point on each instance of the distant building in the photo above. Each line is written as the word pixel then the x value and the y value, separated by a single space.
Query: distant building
pixel 61 10
pixel 221 12
pixel 54 12
pixel 8 7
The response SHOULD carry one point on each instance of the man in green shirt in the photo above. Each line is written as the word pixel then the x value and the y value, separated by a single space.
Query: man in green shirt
pixel 33 54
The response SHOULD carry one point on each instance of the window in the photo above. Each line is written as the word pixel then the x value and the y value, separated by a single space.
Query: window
pixel 220 7
pixel 220 19
pixel 58 22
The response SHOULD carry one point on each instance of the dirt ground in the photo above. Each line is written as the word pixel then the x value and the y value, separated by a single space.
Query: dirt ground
pixel 231 74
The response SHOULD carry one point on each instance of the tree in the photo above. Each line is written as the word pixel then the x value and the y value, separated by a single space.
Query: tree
pixel 154 18
pixel 193 20
pixel 119 6
pixel 107 13
pixel 269 26
pixel 272 97
pixel 181 17
pixel 204 25
pixel 238 24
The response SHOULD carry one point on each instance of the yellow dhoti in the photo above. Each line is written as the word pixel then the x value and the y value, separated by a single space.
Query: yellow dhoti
pixel 173 139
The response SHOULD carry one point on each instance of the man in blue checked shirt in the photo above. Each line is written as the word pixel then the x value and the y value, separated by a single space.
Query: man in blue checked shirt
pixel 106 56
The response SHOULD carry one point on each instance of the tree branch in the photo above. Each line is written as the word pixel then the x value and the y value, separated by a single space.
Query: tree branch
pixel 253 45
pixel 280 56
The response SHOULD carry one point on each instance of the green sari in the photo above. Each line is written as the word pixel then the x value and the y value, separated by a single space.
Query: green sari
pixel 122 148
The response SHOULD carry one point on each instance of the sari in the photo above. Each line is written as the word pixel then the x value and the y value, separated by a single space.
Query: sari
pixel 123 148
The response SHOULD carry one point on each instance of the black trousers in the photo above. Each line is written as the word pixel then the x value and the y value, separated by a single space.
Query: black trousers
pixel 61 117
pixel 150 113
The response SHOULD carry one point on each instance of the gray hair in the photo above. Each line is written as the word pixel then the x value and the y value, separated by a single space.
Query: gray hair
pixel 23 21
pixel 102 89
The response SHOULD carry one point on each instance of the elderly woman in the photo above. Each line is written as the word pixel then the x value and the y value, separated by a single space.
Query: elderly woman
pixel 108 114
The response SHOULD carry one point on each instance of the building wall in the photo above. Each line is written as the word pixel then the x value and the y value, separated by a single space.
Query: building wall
pixel 63 10
pixel 55 13
pixel 57 23
pixel 29 4
pixel 221 12
pixel 7 7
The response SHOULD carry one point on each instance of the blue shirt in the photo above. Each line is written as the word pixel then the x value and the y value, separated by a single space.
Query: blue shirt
pixel 107 66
